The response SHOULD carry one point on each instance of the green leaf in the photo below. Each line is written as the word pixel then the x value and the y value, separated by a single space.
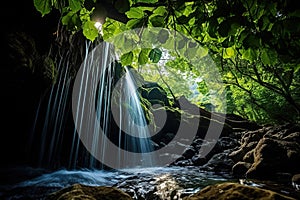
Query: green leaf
pixel 228 26
pixel 126 59
pixel 190 53
pixel 252 41
pixel 265 57
pixel 192 44
pixel 43 6
pixel 268 56
pixel 89 30
pixel 118 41
pixel 155 55
pixel 67 18
pixel 272 7
pixel 161 10
pixel 75 5
pixel 157 21
pixel 249 55
pixel 111 28
pixel 229 52
pixel 134 23
pixel 181 44
pixel 135 13
pixel 297 68
pixel 143 56
pixel 85 15
pixel 202 87
pixel 264 23
pixel 201 52
pixel 163 36
pixel 71 20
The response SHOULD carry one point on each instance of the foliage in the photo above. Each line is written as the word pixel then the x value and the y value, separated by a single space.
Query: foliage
pixel 255 44
pixel 75 16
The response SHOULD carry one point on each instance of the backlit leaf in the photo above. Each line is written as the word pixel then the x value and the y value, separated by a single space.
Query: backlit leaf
pixel 229 52
pixel 143 56
pixel 134 23
pixel 134 13
pixel 126 59
pixel 89 30
pixel 43 6
pixel 268 56
pixel 249 54
pixel 163 36
pixel 155 55
pixel 75 5
pixel 161 10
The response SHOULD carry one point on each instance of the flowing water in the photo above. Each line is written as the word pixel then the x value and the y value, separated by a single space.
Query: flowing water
pixel 108 114
pixel 107 103
pixel 101 86
pixel 144 183
pixel 105 98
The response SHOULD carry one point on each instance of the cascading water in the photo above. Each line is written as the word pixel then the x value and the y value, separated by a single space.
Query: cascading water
pixel 119 115
pixel 47 141
pixel 131 118
pixel 108 109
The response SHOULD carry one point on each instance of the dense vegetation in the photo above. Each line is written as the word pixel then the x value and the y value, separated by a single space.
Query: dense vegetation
pixel 255 44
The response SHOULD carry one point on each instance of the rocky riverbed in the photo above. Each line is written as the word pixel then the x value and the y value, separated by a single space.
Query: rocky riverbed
pixel 262 163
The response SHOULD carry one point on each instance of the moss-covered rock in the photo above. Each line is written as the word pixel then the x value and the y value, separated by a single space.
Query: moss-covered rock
pixel 267 152
pixel 237 192
pixel 272 156
pixel 154 93
pixel 78 191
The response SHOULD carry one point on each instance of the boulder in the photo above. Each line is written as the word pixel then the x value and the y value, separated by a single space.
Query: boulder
pixel 236 191
pixel 273 156
pixel 240 169
pixel 268 152
pixel 79 191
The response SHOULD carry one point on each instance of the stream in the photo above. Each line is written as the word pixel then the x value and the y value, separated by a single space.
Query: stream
pixel 144 183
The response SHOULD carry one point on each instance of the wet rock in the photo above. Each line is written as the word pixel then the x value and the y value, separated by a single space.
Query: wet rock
pixel 249 157
pixel 154 93
pixel 182 163
pixel 240 169
pixel 201 151
pixel 189 152
pixel 78 191
pixel 236 191
pixel 220 162
pixel 271 150
pixel 139 187
pixel 198 160
pixel 272 156
pixel 227 143
pixel 239 154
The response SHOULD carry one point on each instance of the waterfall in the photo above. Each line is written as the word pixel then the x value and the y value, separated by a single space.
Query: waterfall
pixel 108 111
pixel 46 141
pixel 106 114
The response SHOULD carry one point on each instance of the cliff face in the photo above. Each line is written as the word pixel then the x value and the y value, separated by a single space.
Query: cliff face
pixel 20 88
